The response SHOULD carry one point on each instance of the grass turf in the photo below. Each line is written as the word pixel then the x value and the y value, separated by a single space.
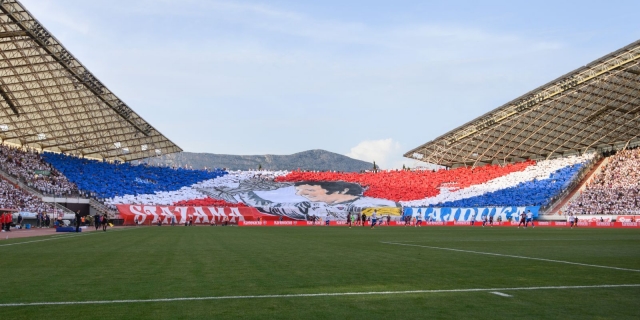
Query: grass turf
pixel 166 262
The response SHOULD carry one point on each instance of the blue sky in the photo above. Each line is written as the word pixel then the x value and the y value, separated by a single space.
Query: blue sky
pixel 369 79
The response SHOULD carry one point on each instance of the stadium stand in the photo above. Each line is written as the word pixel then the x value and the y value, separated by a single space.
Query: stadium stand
pixel 616 190
pixel 589 110
pixel 103 180
pixel 15 198
pixel 29 167
pixel 51 102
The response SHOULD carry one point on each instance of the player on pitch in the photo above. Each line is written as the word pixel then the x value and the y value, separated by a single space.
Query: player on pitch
pixel 374 218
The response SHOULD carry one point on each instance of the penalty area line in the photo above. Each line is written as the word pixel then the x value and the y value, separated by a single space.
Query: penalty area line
pixel 311 295
pixel 511 256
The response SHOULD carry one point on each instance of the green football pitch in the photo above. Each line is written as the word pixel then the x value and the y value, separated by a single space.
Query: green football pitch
pixel 324 273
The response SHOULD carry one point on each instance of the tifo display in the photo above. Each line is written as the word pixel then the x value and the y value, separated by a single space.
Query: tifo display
pixel 301 195
pixel 446 195
pixel 105 180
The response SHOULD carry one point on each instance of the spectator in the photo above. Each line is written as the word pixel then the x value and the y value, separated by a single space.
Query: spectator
pixel 615 190
pixel 29 167
pixel 13 197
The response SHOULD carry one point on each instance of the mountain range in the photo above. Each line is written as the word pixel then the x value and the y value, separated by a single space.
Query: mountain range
pixel 320 160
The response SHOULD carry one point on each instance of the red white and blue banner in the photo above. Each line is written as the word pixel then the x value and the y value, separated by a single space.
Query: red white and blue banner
pixel 312 196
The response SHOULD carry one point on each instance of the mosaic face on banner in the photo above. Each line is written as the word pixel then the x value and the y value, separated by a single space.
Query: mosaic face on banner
pixel 302 199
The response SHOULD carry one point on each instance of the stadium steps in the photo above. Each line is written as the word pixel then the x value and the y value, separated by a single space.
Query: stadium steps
pixel 16 182
pixel 562 203
pixel 100 207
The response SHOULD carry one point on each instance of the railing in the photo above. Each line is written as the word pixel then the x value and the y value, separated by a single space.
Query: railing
pixel 100 207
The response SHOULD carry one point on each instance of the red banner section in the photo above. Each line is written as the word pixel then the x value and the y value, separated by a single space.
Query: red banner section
pixel 201 215
pixel 627 218
pixel 267 223
pixel 252 217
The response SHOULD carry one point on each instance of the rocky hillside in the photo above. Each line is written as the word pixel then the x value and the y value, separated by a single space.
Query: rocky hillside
pixel 306 160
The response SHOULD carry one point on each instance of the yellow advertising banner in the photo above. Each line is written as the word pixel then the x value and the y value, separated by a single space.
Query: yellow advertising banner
pixel 383 211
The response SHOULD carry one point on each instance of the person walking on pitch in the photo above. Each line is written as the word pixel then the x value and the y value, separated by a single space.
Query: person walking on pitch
pixel 530 219
pixel 522 220
pixel 96 221
pixel 374 218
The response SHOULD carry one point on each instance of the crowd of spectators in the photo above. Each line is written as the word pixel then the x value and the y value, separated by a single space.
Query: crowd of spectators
pixel 535 185
pixel 208 202
pixel 12 197
pixel 530 182
pixel 29 167
pixel 103 180
pixel 615 190
pixel 403 185
pixel 193 195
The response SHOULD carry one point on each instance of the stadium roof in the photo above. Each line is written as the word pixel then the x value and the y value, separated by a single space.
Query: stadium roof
pixel 50 101
pixel 594 107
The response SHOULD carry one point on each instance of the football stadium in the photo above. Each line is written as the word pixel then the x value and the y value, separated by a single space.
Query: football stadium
pixel 531 210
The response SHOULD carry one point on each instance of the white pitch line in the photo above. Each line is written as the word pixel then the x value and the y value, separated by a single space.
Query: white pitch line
pixel 512 256
pixel 58 237
pixel 512 240
pixel 25 242
pixel 501 294
pixel 310 295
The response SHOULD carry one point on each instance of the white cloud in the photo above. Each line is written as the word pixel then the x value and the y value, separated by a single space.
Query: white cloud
pixel 382 152
pixel 387 154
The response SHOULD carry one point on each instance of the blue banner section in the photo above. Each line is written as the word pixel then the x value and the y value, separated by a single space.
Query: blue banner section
pixel 469 214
